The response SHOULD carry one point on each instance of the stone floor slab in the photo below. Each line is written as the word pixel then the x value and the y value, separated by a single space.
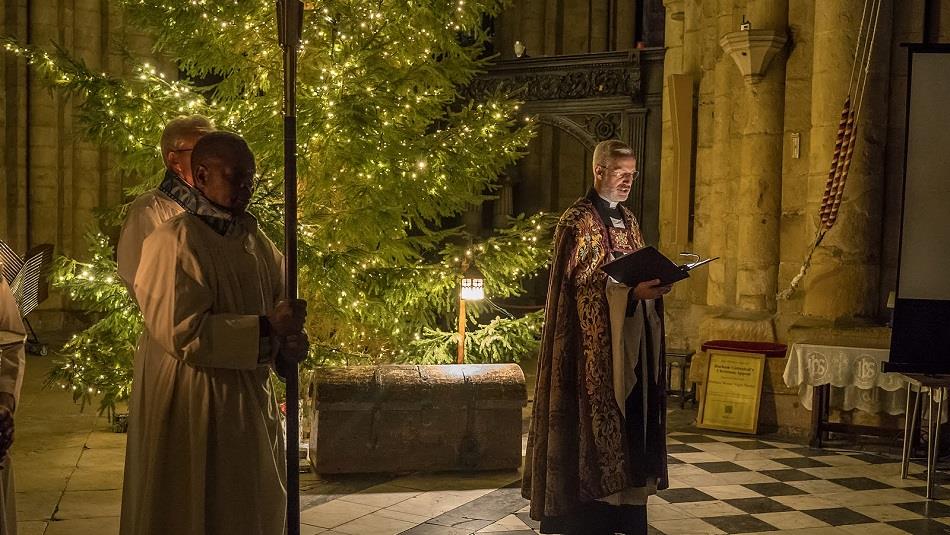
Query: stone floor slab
pixel 89 504
pixel 335 513
pixel 36 505
pixel 84 526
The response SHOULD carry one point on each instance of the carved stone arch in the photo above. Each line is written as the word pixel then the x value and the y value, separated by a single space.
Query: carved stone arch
pixel 576 130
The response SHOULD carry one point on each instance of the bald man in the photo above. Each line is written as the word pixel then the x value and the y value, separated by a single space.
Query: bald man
pixel 211 456
pixel 146 213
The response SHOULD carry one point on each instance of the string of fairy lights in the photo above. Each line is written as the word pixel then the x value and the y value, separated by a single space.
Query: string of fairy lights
pixel 388 155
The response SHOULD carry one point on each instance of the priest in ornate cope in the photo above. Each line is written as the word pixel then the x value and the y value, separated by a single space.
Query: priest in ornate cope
pixel 597 441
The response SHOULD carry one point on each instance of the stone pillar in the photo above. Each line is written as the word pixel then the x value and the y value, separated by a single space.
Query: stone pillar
pixel 760 178
pixel 843 278
pixel 672 64
pixel 89 181
pixel 47 127
pixel 796 164
pixel 472 220
pixel 12 120
pixel 715 158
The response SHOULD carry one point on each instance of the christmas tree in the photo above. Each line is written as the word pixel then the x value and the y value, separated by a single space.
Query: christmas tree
pixel 389 156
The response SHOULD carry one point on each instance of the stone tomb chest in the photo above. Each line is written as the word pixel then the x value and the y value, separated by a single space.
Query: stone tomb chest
pixel 402 418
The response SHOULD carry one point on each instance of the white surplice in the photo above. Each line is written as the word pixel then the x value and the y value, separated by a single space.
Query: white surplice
pixel 208 448
pixel 146 213
pixel 12 366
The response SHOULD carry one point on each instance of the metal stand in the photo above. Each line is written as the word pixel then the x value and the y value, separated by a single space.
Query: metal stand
pixel 937 388
pixel 911 423
pixel 933 438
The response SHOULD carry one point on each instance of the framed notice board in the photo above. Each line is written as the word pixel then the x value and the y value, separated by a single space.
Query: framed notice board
pixel 732 392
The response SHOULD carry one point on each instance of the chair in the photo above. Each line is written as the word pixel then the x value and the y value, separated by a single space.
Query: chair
pixel 29 283
pixel 680 359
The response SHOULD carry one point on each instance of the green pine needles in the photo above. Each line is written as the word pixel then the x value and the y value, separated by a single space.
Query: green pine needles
pixel 390 156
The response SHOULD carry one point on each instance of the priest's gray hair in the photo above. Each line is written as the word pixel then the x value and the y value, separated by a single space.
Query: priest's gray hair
pixel 180 128
pixel 221 146
pixel 607 151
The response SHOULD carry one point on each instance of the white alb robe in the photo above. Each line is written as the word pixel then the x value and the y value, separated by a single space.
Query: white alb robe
pixel 209 449
pixel 146 213
pixel 12 366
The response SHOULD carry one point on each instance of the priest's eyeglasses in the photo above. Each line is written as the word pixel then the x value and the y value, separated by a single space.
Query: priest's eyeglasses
pixel 619 174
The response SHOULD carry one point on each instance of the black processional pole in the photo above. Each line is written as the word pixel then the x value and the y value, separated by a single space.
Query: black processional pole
pixel 289 25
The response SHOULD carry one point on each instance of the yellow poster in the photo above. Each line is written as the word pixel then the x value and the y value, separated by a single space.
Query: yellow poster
pixel 733 390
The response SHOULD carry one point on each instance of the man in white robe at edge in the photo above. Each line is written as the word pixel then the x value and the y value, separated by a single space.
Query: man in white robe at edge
pixel 145 214
pixel 176 191
pixel 209 286
pixel 12 366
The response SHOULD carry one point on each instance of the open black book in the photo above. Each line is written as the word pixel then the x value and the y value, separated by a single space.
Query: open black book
pixel 647 264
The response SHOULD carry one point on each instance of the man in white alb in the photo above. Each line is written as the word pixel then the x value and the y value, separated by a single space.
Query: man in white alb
pixel 212 459
pixel 146 213
pixel 12 365
pixel 154 207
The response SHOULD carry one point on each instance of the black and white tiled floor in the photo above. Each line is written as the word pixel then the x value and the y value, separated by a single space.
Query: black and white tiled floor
pixel 737 485
pixel 719 485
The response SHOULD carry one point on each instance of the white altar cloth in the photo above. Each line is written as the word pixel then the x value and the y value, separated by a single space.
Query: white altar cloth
pixel 854 374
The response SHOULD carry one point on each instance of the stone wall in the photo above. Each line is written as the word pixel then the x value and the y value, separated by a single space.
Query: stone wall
pixel 761 157
pixel 51 180
pixel 756 200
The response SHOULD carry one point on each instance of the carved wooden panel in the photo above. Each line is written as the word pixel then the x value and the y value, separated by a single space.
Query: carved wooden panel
pixel 579 101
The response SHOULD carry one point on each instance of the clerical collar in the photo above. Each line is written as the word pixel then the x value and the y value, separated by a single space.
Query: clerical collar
pixel 596 198
pixel 611 204
pixel 609 211
pixel 219 219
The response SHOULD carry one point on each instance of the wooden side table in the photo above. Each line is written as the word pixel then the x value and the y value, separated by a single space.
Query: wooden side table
pixel 680 358
pixel 818 368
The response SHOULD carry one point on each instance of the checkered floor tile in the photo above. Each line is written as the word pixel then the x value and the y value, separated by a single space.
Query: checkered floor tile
pixel 718 485
pixel 721 484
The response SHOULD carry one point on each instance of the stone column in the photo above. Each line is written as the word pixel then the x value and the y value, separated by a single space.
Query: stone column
pixel 47 124
pixel 89 181
pixel 12 129
pixel 715 158
pixel 760 178
pixel 842 281
pixel 672 64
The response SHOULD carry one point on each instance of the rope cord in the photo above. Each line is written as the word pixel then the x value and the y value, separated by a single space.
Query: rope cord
pixel 867 62
pixel 857 45
pixel 844 147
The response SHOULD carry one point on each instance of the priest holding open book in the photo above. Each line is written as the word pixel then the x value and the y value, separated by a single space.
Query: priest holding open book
pixel 597 441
